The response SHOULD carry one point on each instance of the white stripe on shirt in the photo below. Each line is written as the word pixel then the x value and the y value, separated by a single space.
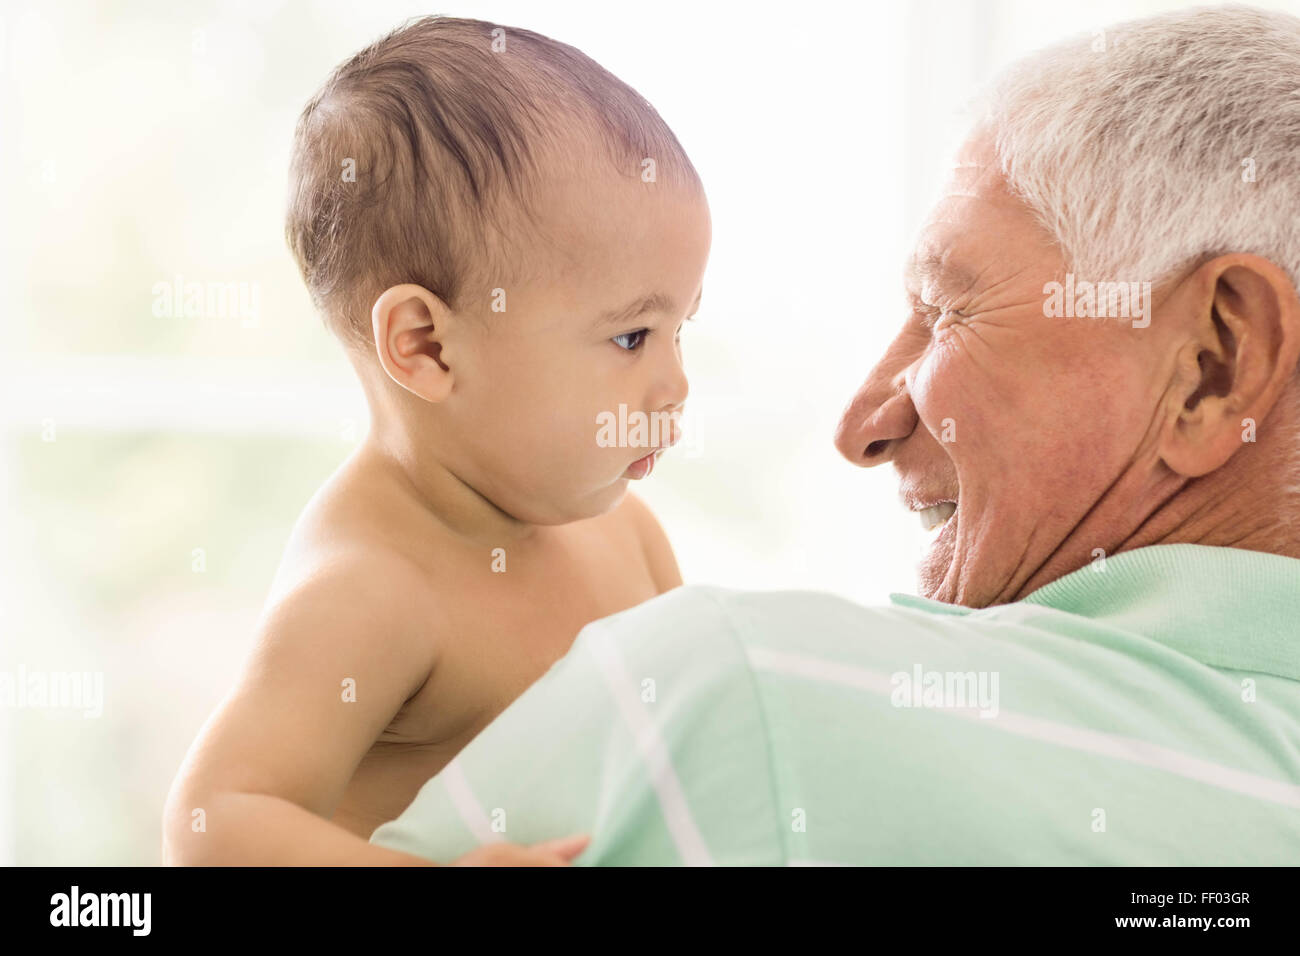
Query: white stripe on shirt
pixel 654 753
pixel 467 805
pixel 1063 735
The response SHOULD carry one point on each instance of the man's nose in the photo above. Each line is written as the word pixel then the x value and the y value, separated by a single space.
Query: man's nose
pixel 880 416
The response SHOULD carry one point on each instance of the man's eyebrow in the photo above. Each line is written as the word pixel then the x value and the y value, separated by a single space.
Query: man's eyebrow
pixel 940 269
pixel 654 302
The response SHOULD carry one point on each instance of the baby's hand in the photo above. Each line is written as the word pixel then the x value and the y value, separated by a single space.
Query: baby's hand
pixel 549 853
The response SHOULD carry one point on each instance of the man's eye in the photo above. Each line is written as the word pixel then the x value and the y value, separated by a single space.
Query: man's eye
pixel 927 315
pixel 631 341
pixel 932 315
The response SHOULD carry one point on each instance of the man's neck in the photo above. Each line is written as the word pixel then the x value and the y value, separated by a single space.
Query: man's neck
pixel 1251 502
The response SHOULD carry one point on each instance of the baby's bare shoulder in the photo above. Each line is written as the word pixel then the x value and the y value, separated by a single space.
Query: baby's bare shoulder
pixel 363 586
pixel 345 556
pixel 634 519
pixel 351 529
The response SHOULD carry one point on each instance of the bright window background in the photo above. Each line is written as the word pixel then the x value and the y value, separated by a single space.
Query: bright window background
pixel 144 141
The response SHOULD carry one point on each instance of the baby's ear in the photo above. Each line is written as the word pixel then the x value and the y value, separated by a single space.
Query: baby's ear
pixel 409 324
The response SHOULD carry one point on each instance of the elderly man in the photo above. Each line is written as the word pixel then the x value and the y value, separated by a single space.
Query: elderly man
pixel 1105 665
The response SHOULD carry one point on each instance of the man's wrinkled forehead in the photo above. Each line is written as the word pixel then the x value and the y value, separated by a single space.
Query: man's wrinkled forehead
pixel 975 169
pixel 976 224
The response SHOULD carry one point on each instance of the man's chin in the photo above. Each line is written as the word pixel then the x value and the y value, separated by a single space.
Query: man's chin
pixel 936 574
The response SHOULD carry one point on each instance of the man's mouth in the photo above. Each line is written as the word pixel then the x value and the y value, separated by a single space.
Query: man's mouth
pixel 933 516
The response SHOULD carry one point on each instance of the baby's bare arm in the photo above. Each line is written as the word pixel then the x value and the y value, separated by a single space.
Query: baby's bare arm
pixel 334 661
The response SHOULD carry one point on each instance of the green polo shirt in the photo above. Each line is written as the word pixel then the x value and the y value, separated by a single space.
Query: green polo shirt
pixel 1144 710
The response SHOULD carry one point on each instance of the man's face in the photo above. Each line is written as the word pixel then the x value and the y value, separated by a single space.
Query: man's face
pixel 1040 430
pixel 592 323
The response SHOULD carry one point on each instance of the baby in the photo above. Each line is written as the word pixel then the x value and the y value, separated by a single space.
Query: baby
pixel 507 239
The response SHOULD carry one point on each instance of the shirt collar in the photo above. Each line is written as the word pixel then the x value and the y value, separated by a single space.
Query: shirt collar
pixel 1226 607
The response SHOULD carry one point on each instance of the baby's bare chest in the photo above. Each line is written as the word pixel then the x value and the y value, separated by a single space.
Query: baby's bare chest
pixel 500 636
pixel 504 629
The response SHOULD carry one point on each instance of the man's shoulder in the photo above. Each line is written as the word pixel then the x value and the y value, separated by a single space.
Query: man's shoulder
pixel 682 627
pixel 802 629
pixel 750 615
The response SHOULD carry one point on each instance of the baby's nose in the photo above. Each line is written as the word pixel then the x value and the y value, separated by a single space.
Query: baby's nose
pixel 674 388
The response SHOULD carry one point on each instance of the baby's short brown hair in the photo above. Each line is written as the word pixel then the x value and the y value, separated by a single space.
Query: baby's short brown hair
pixel 401 160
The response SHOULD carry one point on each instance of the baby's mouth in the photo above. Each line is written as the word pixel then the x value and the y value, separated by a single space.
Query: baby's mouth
pixel 642 467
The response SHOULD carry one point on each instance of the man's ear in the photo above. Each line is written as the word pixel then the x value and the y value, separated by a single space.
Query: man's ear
pixel 411 326
pixel 1243 352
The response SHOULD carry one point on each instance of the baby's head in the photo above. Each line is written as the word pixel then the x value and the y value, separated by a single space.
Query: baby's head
pixel 507 239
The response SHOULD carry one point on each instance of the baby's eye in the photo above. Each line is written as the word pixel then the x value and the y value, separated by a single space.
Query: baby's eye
pixel 631 341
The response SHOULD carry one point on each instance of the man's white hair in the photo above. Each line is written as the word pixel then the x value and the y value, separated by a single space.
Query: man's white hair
pixel 1159 142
